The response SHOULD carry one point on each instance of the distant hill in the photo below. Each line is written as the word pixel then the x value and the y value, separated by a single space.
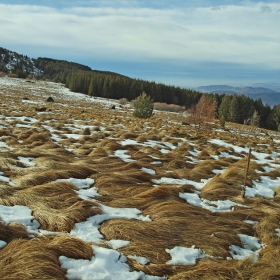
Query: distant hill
pixel 19 64
pixel 273 86
pixel 96 83
pixel 42 67
pixel 268 96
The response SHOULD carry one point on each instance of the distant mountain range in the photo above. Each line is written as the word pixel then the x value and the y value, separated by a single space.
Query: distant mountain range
pixel 268 93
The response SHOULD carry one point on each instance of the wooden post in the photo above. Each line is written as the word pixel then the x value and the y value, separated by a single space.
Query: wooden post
pixel 246 172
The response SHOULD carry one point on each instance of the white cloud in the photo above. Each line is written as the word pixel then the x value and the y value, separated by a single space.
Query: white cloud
pixel 247 34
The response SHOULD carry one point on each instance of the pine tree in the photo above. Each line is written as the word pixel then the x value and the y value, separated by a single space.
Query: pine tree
pixel 92 90
pixel 143 106
pixel 224 107
pixel 255 119
pixel 235 110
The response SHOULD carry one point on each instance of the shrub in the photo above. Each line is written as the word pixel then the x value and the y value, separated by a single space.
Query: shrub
pixel 169 107
pixel 143 106
pixel 123 101
pixel 86 131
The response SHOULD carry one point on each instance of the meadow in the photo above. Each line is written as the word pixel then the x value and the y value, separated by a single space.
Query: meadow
pixel 91 192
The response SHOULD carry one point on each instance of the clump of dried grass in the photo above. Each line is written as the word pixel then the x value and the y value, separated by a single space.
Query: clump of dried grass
pixel 274 173
pixel 176 164
pixel 9 162
pixel 233 173
pixel 12 231
pixel 218 188
pixel 277 191
pixel 176 224
pixel 129 135
pixel 98 152
pixel 38 258
pixel 56 206
pixel 86 131
pixel 59 171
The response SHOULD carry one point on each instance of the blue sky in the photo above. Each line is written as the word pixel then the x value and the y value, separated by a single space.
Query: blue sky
pixel 179 42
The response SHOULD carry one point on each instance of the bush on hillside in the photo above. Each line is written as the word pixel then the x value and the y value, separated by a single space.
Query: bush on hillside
pixel 169 107
pixel 143 106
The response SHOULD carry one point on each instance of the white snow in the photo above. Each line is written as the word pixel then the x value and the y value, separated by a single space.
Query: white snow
pixel 106 264
pixel 2 244
pixel 141 260
pixel 250 222
pixel 185 256
pixel 220 205
pixel 79 183
pixel 251 248
pixel 122 155
pixel 27 161
pixel 88 230
pixel 6 179
pixel 148 170
pixel 21 214
pixel 264 188
pixel 117 243
pixel 88 194
pixel 4 145
pixel 166 180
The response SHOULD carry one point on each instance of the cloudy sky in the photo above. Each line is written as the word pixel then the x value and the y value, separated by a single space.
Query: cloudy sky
pixel 186 43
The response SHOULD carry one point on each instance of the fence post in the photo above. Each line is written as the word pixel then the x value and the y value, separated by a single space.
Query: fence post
pixel 246 172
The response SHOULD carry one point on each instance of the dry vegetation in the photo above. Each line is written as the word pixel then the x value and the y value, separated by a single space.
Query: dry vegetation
pixel 82 139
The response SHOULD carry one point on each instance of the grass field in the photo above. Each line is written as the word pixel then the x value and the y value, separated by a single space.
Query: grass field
pixel 90 192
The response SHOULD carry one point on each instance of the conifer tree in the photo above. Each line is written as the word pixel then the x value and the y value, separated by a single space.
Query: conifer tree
pixel 255 119
pixel 143 106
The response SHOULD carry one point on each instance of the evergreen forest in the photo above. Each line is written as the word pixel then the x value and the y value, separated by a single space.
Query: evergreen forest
pixel 80 78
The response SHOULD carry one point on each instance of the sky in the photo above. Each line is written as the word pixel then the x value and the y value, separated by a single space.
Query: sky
pixel 183 43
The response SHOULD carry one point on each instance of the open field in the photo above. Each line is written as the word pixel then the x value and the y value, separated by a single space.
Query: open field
pixel 89 192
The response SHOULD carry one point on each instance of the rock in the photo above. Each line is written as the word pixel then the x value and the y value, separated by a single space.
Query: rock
pixel 50 99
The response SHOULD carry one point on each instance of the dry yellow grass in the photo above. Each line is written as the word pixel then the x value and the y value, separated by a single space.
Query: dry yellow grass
pixel 37 258
pixel 174 222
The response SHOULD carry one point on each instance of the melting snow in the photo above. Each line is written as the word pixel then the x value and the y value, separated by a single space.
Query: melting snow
pixel 185 256
pixel 251 248
pixel 220 205
pixel 263 188
pixel 105 264
pixel 21 214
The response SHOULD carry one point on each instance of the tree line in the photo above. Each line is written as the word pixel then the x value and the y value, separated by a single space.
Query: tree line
pixel 81 78
pixel 18 64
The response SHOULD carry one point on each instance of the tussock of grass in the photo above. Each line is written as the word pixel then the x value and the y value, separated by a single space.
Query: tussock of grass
pixel 179 164
pixel 233 173
pixel 9 162
pixel 12 231
pixel 219 188
pixel 142 138
pixel 175 224
pixel 38 258
pixel 274 173
pixel 129 135
pixel 277 191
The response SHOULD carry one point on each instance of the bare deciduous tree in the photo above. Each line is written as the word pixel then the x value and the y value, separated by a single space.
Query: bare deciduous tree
pixel 202 113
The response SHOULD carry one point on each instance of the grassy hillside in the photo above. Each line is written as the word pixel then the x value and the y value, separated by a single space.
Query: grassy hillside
pixel 88 191
pixel 106 84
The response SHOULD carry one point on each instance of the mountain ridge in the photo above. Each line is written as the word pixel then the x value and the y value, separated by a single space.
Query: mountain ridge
pixel 268 96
